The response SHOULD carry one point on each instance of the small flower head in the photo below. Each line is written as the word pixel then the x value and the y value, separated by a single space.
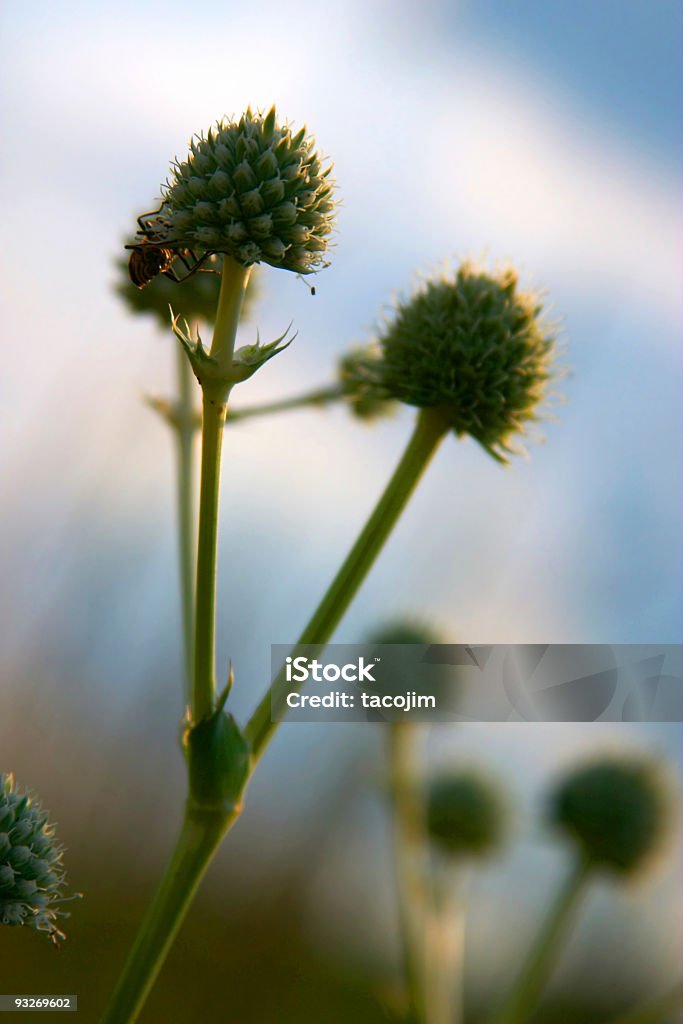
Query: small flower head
pixel 618 810
pixel 255 189
pixel 31 870
pixel 466 813
pixel 355 370
pixel 405 631
pixel 474 345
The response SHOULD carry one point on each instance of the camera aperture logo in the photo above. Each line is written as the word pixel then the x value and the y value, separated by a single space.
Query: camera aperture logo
pixel 356 679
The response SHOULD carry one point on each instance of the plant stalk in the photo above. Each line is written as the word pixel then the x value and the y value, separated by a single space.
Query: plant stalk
pixel 319 397
pixel 200 835
pixel 214 409
pixel 184 431
pixel 431 427
pixel 409 860
pixel 203 827
pixel 545 950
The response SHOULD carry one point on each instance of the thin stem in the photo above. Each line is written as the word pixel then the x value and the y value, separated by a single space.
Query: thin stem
pixel 207 549
pixel 430 428
pixel 545 950
pixel 658 1011
pixel 445 949
pixel 214 408
pixel 322 396
pixel 200 835
pixel 184 431
pixel 409 853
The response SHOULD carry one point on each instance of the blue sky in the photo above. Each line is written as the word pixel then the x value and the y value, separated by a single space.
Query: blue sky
pixel 542 133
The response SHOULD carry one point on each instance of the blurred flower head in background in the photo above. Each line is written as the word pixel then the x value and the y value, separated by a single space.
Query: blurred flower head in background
pixel 619 811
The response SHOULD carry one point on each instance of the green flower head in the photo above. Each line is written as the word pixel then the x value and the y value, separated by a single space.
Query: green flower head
pixel 254 189
pixel 31 870
pixel 618 810
pixel 473 345
pixel 466 813
pixel 354 371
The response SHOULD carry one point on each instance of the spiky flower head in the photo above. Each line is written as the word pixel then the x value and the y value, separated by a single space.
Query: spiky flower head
pixel 618 810
pixel 474 345
pixel 31 869
pixel 255 189
pixel 465 813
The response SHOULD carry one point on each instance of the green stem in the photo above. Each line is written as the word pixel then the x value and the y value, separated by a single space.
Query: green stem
pixel 200 835
pixel 431 427
pixel 445 949
pixel 545 950
pixel 322 396
pixel 409 851
pixel 184 430
pixel 659 1011
pixel 214 408
pixel 203 827
pixel 207 548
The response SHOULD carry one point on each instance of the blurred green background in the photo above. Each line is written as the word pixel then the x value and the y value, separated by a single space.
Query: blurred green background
pixel 543 133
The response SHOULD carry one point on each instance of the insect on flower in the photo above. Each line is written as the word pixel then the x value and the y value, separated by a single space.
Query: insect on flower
pixel 155 254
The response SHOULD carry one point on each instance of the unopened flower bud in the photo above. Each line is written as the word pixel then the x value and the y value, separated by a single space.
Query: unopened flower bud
pixel 466 814
pixel 618 810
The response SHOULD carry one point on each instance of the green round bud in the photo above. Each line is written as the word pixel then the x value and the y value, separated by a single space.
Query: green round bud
pixel 465 813
pixel 355 372
pixel 218 762
pixel 194 299
pixel 405 631
pixel 617 810
pixel 475 346
pixel 255 190
pixel 31 869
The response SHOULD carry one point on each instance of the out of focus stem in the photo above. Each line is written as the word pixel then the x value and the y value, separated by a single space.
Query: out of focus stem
pixel 409 854
pixel 545 950
pixel 319 397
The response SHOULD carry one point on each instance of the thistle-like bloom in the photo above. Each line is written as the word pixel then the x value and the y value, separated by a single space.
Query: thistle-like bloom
pixel 466 813
pixel 476 347
pixel 618 810
pixel 254 189
pixel 31 871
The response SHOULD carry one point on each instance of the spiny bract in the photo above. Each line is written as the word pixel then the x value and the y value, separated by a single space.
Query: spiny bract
pixel 617 809
pixel 31 872
pixel 255 190
pixel 474 345
pixel 466 814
